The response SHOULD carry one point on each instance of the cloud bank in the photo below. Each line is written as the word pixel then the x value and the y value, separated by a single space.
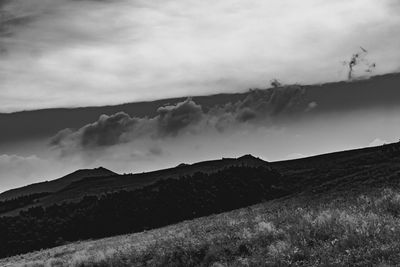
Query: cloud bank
pixel 259 108
pixel 73 53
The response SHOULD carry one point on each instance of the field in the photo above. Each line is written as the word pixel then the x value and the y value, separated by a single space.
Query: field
pixel 358 229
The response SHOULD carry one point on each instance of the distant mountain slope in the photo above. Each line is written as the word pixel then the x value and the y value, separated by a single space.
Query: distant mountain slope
pixel 164 202
pixel 55 185
pixel 341 170
pixel 106 184
pixel 76 185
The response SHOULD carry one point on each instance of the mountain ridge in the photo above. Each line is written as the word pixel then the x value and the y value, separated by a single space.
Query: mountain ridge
pixel 80 183
pixel 55 184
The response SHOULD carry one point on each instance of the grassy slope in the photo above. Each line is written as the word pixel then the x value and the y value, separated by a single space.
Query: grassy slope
pixel 347 214
pixel 344 230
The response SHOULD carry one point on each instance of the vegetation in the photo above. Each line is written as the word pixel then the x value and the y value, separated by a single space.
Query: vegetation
pixel 359 230
pixel 19 202
pixel 166 202
pixel 340 209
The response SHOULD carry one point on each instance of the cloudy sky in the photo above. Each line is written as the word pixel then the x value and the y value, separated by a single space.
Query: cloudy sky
pixel 74 53
pixel 94 52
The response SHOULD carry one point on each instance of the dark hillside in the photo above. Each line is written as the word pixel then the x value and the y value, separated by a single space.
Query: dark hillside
pixel 55 185
pixel 342 170
pixel 165 202
pixel 108 184
pixel 75 186
pixel 169 200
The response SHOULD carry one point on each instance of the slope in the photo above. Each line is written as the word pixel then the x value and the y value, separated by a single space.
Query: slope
pixel 320 179
pixel 55 185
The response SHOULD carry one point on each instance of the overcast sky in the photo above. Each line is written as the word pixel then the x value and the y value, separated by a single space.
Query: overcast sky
pixel 93 52
pixel 74 53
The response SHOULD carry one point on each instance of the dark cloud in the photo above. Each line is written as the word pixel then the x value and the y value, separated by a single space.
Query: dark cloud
pixel 172 119
pixel 246 114
pixel 258 107
pixel 262 106
pixel 106 131
pixel 9 22
pixel 60 137
pixel 121 127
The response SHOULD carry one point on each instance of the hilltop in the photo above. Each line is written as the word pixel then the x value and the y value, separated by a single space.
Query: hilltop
pixel 99 181
pixel 56 184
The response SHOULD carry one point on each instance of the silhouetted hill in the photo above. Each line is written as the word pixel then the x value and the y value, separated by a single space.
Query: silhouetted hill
pixel 355 169
pixel 165 202
pixel 107 184
pixel 76 185
pixel 55 185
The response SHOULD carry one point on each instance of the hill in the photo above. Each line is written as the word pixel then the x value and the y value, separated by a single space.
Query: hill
pixel 75 186
pixel 357 226
pixel 164 202
pixel 54 185
pixel 109 184
pixel 327 185
pixel 354 169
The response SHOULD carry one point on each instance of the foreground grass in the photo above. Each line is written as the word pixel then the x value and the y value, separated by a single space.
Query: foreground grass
pixel 351 230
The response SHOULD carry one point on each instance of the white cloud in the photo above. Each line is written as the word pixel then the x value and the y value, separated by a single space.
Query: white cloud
pixel 72 53
pixel 377 142
pixel 15 169
pixel 295 156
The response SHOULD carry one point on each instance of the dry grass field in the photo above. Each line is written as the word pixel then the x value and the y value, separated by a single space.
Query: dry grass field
pixel 336 230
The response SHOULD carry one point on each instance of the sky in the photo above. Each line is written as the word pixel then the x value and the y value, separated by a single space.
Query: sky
pixel 69 53
pixel 78 53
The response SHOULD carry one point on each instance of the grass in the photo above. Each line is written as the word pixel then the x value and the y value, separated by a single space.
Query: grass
pixel 341 230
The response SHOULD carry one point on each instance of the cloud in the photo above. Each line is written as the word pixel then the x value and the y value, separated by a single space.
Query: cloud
pixel 106 131
pixel 65 53
pixel 295 156
pixel 121 127
pixel 259 108
pixel 377 142
pixel 172 119
pixel 312 105
pixel 16 169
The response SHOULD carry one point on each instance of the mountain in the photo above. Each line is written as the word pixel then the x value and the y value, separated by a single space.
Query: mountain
pixel 112 183
pixel 353 169
pixel 99 181
pixel 328 194
pixel 55 185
